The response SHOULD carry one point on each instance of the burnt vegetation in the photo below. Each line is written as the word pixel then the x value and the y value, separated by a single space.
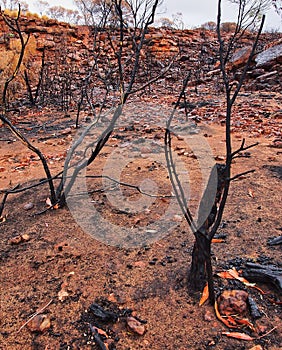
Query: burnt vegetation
pixel 89 73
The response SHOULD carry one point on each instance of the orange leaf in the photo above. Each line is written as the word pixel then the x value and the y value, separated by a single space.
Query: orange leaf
pixel 245 322
pixel 205 295
pixel 101 331
pixel 238 335
pixel 235 274
pixel 260 290
pixel 218 240
pixel 225 274
pixel 228 321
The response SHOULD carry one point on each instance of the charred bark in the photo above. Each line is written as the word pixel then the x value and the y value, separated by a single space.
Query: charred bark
pixel 198 270
pixel 201 267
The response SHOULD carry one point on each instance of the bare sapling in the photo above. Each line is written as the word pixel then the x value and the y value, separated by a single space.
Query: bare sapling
pixel 210 212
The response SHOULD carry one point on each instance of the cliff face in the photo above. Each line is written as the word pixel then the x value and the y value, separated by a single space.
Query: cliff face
pixel 72 50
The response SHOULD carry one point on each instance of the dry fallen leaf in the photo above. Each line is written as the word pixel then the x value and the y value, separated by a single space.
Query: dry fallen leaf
pixel 233 272
pixel 245 322
pixel 101 331
pixel 218 240
pixel 238 335
pixel 225 274
pixel 226 320
pixel 205 295
pixel 257 347
pixel 230 321
pixel 48 202
pixel 3 219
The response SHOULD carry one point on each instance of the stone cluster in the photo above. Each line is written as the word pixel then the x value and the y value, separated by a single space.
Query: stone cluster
pixel 195 50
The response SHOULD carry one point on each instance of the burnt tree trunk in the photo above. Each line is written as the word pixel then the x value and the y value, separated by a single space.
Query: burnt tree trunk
pixel 201 267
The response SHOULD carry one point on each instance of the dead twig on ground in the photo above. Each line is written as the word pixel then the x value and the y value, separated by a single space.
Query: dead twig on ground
pixel 35 314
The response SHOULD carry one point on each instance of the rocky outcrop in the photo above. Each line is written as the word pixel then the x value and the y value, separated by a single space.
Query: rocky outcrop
pixel 192 50
pixel 269 57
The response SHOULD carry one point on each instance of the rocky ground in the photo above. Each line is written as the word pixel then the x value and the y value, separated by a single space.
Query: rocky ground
pixel 110 270
pixel 57 261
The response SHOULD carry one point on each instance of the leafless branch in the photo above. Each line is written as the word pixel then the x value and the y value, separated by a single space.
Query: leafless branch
pixel 175 181
pixel 241 174
pixel 242 148
pixel 125 184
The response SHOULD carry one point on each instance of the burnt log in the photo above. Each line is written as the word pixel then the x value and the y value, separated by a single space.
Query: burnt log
pixel 264 273
pixel 275 241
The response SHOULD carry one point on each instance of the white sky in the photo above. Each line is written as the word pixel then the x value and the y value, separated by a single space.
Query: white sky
pixel 195 12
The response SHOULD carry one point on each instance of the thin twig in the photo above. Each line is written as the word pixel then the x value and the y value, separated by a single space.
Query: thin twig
pixel 46 209
pixel 241 174
pixel 242 148
pixel 264 335
pixel 35 314
pixel 175 181
pixel 164 71
pixel 16 189
pixel 125 184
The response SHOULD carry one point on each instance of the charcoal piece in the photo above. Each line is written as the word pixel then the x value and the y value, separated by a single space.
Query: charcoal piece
pixel 254 310
pixel 102 314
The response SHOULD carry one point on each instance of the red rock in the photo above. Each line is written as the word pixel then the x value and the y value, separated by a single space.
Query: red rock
pixel 208 316
pixel 135 325
pixel 19 239
pixel 233 302
pixel 28 206
pixel 40 323
pixel 240 57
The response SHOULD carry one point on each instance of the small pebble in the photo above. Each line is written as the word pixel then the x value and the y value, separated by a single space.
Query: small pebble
pixel 28 206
